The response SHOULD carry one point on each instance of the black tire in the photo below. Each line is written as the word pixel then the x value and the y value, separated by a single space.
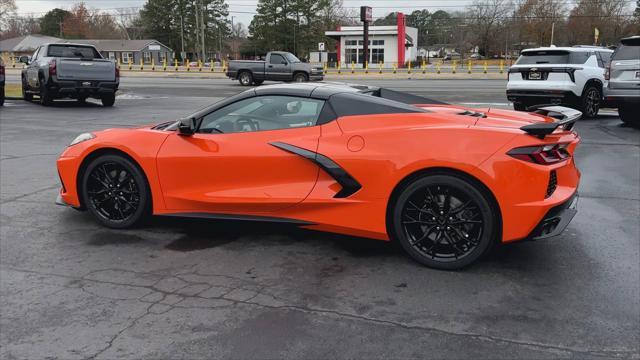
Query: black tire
pixel 108 100
pixel 518 106
pixel 590 102
pixel 27 96
pixel 45 97
pixel 257 82
pixel 300 77
pixel 116 192
pixel 630 114
pixel 245 78
pixel 82 100
pixel 440 235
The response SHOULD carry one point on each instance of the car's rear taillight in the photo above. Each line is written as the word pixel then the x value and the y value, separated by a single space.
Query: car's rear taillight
pixel 543 155
pixel 607 72
pixel 117 72
pixel 52 68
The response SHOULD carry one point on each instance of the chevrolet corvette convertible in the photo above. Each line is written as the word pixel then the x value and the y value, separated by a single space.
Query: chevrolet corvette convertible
pixel 446 182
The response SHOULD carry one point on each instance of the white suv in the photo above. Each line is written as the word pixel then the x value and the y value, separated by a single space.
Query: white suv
pixel 571 76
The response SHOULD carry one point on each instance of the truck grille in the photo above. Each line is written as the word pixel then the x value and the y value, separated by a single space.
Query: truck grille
pixel 553 184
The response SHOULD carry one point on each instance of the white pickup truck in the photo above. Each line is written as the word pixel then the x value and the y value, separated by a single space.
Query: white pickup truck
pixel 64 70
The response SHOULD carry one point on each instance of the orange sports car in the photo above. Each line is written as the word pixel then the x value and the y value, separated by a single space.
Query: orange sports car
pixel 447 182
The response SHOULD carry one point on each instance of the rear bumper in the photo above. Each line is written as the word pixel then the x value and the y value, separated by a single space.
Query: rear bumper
pixel 617 96
pixel 556 219
pixel 541 96
pixel 61 88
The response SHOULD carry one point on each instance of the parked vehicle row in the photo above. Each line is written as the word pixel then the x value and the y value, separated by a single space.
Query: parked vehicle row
pixel 622 78
pixel 64 70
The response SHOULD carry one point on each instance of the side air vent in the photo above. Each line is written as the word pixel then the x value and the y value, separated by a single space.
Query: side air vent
pixel 553 184
pixel 473 113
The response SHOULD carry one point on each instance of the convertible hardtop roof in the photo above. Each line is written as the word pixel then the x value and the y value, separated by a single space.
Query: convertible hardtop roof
pixel 342 99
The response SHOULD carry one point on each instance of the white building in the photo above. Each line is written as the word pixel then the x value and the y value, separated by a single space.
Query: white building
pixel 389 45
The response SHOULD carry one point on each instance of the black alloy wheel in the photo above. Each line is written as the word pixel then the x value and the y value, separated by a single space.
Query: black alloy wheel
pixel 444 221
pixel 591 102
pixel 115 191
pixel 301 77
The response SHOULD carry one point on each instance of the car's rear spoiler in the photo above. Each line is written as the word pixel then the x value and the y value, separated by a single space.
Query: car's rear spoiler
pixel 565 119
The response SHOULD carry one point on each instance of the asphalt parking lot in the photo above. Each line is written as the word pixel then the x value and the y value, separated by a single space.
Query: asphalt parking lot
pixel 215 289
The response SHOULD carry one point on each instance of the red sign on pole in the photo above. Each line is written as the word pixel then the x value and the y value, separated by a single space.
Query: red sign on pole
pixel 366 13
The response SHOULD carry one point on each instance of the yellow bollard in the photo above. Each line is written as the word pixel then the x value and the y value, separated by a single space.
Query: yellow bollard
pixel 164 64
pixel 486 67
pixel 153 64
pixel 224 66
pixel 469 67
pixel 339 68
pixel 199 65
pixel 501 66
pixel 186 63
pixel 211 65
pixel 326 67
pixel 424 67
pixel 353 67
pixel 130 63
pixel 366 67
pixel 454 66
pixel 141 65
pixel 13 62
pixel 118 62
pixel 175 62
pixel 409 67
pixel 380 66
pixel 395 68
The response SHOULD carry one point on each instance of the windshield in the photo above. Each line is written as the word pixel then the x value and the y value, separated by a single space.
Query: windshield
pixel 292 58
pixel 67 51
pixel 552 57
pixel 625 52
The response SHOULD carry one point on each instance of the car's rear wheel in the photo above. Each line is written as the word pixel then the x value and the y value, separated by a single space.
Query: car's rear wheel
pixel 45 97
pixel 115 192
pixel 630 114
pixel 443 221
pixel 518 106
pixel 108 100
pixel 245 78
pixel 590 102
pixel 300 77
pixel 27 96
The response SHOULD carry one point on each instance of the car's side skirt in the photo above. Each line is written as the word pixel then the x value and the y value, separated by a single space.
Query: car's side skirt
pixel 215 216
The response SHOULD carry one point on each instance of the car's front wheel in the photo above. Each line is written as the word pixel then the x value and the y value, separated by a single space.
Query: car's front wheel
pixel 630 114
pixel 443 221
pixel 245 78
pixel 115 191
pixel 300 77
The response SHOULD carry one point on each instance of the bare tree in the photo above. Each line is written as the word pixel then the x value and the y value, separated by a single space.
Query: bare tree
pixel 536 18
pixel 485 19
pixel 127 20
pixel 7 9
pixel 610 17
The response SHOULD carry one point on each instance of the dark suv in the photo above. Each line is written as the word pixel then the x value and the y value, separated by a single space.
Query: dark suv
pixel 623 80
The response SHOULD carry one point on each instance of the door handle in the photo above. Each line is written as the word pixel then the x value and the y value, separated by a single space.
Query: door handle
pixel 270 66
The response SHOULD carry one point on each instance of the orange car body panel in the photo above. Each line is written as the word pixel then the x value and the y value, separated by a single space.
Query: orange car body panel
pixel 243 174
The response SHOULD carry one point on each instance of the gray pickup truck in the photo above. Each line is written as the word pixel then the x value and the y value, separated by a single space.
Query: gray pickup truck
pixel 278 66
pixel 63 70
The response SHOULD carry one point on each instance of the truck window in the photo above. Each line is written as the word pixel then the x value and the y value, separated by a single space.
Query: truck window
pixel 276 59
pixel 83 52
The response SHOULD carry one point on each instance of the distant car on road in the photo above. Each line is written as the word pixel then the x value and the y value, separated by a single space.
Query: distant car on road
pixel 623 80
pixel 571 76
pixel 279 66
pixel 1 82
pixel 63 70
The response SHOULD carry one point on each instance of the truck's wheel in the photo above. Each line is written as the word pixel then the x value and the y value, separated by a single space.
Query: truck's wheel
pixel 245 78
pixel 45 97
pixel 26 95
pixel 300 77
pixel 108 100
pixel 518 106
pixel 630 114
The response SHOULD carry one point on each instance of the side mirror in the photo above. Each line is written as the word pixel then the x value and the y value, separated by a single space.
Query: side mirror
pixel 187 127
pixel 285 63
pixel 24 59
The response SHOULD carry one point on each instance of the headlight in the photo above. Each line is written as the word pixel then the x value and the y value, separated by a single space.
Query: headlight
pixel 82 137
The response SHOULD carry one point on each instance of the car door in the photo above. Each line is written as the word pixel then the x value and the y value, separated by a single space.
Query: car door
pixel 278 68
pixel 231 165
pixel 32 69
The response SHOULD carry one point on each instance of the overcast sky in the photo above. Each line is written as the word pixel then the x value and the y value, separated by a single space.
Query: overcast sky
pixel 243 10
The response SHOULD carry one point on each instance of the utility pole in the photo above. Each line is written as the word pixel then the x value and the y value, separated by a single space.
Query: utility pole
pixel 204 56
pixel 197 27
pixel 181 30
pixel 233 38
pixel 553 28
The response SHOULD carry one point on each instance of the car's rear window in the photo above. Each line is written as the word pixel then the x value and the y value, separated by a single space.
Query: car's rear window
pixel 624 52
pixel 82 52
pixel 552 57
